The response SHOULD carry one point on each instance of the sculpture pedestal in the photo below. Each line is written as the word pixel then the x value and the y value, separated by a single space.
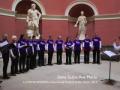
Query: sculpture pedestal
pixel 30 33
pixel 37 37
pixel 82 35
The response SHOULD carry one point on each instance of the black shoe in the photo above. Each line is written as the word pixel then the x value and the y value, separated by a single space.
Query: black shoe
pixel 31 67
pixel 13 74
pixel 99 63
pixel 27 70
pixel 35 67
pixel 17 72
pixel 6 77
pixel 20 71
pixel 43 65
pixel 59 63
pixel 50 64
pixel 1 81
pixel 94 63
pixel 66 63
pixel 39 65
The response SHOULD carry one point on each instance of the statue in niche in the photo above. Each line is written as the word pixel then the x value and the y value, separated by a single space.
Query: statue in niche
pixel 33 18
pixel 82 21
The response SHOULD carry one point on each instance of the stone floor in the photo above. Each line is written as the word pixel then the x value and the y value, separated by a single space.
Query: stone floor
pixel 62 77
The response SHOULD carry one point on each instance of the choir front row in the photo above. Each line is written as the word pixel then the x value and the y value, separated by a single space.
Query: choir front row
pixel 23 52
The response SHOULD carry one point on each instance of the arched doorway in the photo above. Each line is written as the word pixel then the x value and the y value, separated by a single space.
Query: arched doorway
pixel 20 7
pixel 37 2
pixel 73 12
pixel 23 6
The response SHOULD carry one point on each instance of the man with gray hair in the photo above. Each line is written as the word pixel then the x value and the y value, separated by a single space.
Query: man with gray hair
pixel 4 48
pixel 116 46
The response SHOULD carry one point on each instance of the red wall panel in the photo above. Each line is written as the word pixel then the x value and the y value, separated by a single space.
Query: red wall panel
pixel 7 25
pixel 59 6
pixel 108 30
pixel 54 28
pixel 107 6
pixel 6 4
pixel 56 7
pixel 21 27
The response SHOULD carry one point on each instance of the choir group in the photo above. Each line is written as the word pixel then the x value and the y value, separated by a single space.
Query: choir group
pixel 23 52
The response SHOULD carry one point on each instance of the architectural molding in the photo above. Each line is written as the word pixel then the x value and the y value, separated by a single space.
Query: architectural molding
pixel 15 3
pixel 45 17
pixel 5 12
pixel 54 17
pixel 86 2
pixel 107 17
pixel 21 16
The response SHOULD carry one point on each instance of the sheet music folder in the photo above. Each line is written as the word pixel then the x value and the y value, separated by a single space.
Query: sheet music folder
pixel 110 53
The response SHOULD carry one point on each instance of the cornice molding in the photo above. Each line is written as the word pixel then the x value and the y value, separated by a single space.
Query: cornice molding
pixel 5 12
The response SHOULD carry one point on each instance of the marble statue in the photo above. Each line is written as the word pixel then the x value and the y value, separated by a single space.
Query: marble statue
pixel 33 18
pixel 82 21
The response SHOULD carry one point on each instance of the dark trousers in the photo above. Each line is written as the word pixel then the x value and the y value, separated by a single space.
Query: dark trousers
pixel 14 65
pixel 22 62
pixel 59 57
pixel 35 61
pixel 77 56
pixel 50 56
pixel 41 61
pixel 28 59
pixel 96 56
pixel 31 59
pixel 5 64
pixel 68 56
pixel 86 56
